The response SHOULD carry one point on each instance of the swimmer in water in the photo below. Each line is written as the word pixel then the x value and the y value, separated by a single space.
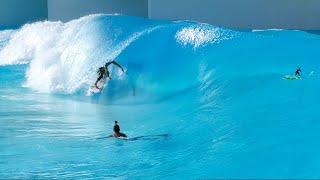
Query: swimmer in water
pixel 116 131
pixel 118 134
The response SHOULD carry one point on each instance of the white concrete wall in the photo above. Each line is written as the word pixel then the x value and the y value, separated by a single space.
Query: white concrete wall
pixel 66 10
pixel 18 12
pixel 242 14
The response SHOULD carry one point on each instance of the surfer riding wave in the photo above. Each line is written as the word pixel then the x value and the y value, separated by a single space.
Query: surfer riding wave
pixel 104 73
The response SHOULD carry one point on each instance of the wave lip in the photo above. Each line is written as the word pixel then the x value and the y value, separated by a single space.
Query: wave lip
pixel 64 57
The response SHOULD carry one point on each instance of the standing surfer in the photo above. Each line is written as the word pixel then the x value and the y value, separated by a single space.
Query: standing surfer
pixel 298 72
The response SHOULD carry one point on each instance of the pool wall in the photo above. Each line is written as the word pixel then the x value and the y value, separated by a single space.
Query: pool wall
pixel 237 14
pixel 66 10
pixel 242 14
pixel 17 12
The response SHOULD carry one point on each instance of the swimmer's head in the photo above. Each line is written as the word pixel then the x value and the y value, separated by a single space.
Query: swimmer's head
pixel 116 122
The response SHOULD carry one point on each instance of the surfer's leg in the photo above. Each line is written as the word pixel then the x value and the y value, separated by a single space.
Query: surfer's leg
pixel 96 83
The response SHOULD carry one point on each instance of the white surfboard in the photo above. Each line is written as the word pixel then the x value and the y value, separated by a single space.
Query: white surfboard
pixel 94 90
pixel 291 77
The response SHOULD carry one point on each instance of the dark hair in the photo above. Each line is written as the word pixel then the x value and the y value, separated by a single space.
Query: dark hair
pixel 116 122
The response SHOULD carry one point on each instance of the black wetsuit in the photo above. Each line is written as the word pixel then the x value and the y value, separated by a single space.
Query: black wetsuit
pixel 101 73
pixel 116 129
pixel 298 71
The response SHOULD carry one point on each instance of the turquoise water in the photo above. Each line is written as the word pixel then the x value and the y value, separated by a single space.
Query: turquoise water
pixel 219 94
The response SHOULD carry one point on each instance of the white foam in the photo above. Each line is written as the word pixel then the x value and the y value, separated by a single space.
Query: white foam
pixel 63 57
pixel 200 35
pixel 5 37
pixel 261 30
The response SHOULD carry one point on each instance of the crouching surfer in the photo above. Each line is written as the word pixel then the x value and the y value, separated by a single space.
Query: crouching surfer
pixel 103 72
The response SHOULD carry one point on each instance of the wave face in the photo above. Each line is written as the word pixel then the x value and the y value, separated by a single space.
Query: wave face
pixel 219 93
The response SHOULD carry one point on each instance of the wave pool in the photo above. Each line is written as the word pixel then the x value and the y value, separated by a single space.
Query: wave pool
pixel 218 94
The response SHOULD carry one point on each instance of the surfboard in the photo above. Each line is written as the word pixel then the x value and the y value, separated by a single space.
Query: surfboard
pixel 291 77
pixel 147 137
pixel 93 89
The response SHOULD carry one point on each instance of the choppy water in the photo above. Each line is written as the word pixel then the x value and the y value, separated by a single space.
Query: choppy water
pixel 218 94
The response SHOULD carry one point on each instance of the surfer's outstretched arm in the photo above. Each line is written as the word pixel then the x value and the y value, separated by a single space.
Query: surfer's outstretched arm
pixel 115 63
